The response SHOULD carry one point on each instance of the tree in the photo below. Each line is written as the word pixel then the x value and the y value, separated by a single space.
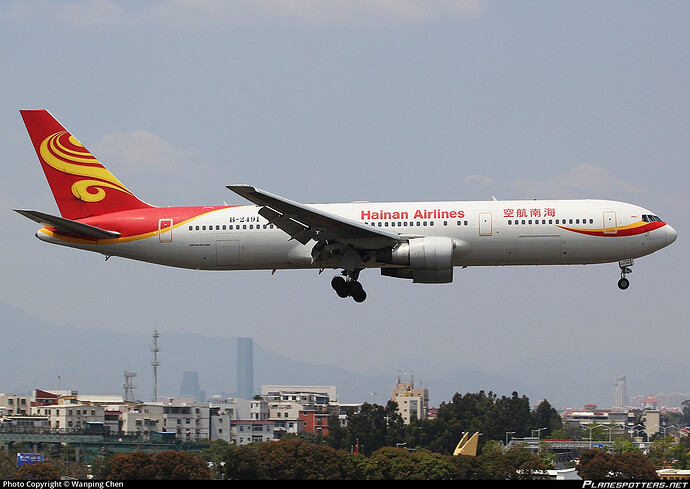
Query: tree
pixel 600 465
pixel 131 466
pixel 241 463
pixel 401 464
pixel 373 427
pixel 596 465
pixel 36 471
pixel 8 466
pixel 685 406
pixel 515 464
pixel 174 465
pixel 215 454
pixel 633 466
pixel 296 460
pixel 547 417
pixel 665 452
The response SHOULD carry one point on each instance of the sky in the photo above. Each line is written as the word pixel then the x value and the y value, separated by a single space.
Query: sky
pixel 337 101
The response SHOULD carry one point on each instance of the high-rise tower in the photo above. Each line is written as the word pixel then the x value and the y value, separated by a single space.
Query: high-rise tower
pixel 245 368
pixel 620 393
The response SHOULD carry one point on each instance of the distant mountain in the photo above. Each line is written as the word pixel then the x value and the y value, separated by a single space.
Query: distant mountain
pixel 39 354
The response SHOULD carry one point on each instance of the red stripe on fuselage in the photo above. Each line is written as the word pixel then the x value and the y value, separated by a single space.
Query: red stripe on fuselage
pixel 142 222
pixel 634 230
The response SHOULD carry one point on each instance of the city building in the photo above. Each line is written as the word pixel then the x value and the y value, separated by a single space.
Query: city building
pixel 11 404
pixel 245 368
pixel 412 402
pixel 620 393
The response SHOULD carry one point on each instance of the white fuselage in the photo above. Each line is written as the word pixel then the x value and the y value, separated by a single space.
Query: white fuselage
pixel 532 232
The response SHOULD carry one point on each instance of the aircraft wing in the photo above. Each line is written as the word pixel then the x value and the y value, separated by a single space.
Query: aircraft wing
pixel 304 222
pixel 68 226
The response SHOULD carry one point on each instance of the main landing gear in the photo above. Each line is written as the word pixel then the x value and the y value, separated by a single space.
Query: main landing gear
pixel 349 286
pixel 625 265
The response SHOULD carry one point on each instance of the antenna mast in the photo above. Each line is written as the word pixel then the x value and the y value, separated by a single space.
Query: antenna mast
pixel 155 363
pixel 129 385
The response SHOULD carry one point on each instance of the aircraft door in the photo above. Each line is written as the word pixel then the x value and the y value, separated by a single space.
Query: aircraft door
pixel 165 227
pixel 485 224
pixel 610 222
pixel 228 253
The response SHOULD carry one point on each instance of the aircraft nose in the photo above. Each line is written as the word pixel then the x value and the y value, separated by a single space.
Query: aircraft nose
pixel 671 234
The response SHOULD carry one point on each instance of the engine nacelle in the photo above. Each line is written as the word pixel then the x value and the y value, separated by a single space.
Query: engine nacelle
pixel 429 259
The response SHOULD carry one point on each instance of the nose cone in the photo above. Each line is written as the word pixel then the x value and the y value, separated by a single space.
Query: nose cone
pixel 671 235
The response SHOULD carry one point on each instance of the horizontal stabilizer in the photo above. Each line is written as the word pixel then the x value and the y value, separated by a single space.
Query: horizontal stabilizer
pixel 67 225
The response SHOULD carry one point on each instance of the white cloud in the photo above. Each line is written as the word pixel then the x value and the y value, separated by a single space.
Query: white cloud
pixel 583 181
pixel 139 151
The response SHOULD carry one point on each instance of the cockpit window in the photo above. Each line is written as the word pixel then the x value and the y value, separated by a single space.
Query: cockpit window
pixel 650 218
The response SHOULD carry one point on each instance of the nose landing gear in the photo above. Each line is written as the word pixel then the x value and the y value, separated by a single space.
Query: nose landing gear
pixel 625 265
pixel 349 286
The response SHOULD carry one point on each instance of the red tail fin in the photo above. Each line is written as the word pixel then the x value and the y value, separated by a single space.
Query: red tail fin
pixel 81 185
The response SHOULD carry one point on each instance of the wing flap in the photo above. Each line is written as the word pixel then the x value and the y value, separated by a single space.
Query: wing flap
pixel 304 222
pixel 68 226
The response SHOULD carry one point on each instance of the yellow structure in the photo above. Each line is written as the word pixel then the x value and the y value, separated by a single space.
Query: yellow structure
pixel 467 446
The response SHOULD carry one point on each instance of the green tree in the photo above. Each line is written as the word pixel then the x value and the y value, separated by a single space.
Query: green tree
pixel 666 452
pixel 372 428
pixel 621 445
pixel 8 465
pixel 545 416
pixel 297 460
pixel 515 464
pixel 241 462
pixel 215 455
pixel 685 406
pixel 390 463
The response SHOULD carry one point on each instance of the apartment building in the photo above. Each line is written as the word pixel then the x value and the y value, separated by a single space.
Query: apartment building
pixel 70 416
pixel 283 409
pixel 412 402
pixel 13 405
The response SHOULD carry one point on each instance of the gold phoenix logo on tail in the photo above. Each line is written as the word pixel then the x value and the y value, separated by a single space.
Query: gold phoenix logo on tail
pixel 65 154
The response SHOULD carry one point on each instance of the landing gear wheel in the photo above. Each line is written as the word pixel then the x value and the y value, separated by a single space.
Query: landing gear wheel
pixel 341 287
pixel 625 265
pixel 357 291
pixel 349 287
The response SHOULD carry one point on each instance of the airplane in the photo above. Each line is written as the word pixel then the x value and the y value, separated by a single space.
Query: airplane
pixel 419 241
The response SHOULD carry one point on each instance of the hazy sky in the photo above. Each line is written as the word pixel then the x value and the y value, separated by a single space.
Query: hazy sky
pixel 326 101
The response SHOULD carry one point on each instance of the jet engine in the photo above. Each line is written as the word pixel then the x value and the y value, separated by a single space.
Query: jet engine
pixel 424 260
